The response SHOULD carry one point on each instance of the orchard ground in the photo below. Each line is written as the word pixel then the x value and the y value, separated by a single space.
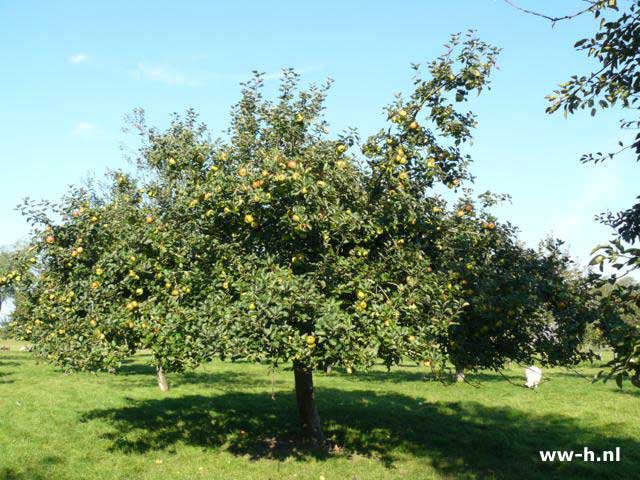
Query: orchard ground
pixel 238 420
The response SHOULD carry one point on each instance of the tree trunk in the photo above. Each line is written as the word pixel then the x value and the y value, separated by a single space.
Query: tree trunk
pixel 459 374
pixel 162 380
pixel 307 410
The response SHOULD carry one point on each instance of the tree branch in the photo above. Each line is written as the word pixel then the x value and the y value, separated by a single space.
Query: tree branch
pixel 548 17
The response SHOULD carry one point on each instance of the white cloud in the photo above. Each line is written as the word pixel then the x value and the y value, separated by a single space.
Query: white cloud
pixel 166 75
pixel 599 186
pixel 83 128
pixel 575 223
pixel 79 58
pixel 172 77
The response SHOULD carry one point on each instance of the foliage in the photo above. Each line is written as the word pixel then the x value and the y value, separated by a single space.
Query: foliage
pixel 9 273
pixel 277 246
pixel 615 82
pixel 112 277
pixel 283 244
pixel 523 305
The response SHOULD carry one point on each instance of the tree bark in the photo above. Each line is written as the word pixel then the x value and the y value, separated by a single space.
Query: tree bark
pixel 162 380
pixel 307 410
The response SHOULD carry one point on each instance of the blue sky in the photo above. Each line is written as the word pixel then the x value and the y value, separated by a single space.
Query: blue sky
pixel 70 71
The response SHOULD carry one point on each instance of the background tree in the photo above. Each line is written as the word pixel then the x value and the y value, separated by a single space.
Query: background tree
pixel 8 273
pixel 116 272
pixel 525 305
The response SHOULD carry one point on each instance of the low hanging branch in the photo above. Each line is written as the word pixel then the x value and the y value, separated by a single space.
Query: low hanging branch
pixel 591 6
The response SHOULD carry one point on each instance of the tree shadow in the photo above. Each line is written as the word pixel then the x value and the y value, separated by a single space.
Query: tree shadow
pixel 476 378
pixel 393 376
pixel 627 389
pixel 458 439
pixel 30 472
pixel 141 375
pixel 6 373
pixel 13 357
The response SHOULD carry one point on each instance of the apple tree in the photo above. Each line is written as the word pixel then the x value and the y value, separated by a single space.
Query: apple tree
pixel 117 270
pixel 524 304
pixel 7 273
pixel 280 244
pixel 330 261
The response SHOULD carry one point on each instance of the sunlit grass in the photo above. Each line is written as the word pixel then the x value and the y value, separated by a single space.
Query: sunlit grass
pixel 236 421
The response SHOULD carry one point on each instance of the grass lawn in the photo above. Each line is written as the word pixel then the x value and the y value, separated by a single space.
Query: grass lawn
pixel 222 422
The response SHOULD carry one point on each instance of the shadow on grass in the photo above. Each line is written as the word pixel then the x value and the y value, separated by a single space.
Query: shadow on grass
pixel 29 472
pixel 447 378
pixel 4 373
pixel 476 378
pixel 141 375
pixel 22 357
pixel 628 389
pixel 458 439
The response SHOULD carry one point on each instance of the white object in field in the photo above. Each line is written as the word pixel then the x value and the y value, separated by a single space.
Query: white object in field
pixel 533 375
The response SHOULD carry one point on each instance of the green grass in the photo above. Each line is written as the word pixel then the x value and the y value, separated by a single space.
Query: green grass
pixel 221 422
